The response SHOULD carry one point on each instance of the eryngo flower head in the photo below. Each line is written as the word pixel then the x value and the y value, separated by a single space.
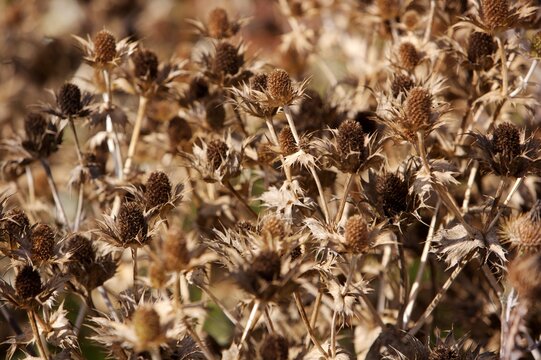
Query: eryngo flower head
pixel 14 225
pixel 157 189
pixel 218 24
pixel 497 16
pixel 507 151
pixel 70 102
pixel 523 231
pixel 226 64
pixel 481 47
pixel 274 347
pixel 104 51
pixel 42 136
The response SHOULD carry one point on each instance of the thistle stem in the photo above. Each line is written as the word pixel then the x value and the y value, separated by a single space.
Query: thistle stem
pixel 54 191
pixel 515 187
pixel 143 101
pixel 252 319
pixel 324 205
pixel 76 139
pixel 314 316
pixel 526 79
pixel 503 62
pixel 134 258
pixel 108 303
pixel 274 138
pixel 430 22
pixel 469 186
pixel 304 318
pixel 341 207
pixel 30 182
pixel 79 211
pixel 42 348
pixel 268 320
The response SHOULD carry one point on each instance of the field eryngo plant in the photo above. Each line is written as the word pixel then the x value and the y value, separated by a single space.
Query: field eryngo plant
pixel 358 181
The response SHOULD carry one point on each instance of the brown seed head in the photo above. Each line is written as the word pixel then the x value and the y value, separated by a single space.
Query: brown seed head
pixel 506 140
pixel 131 223
pixel 35 126
pixel 216 153
pixel 16 223
pixel 274 227
pixel 401 84
pixel 215 114
pixel 178 131
pixel 82 251
pixel 42 239
pixel 409 57
pixel 146 323
pixel 175 251
pixel 535 45
pixel 259 82
pixel 418 107
pixel 227 60
pixel 199 88
pixel 279 86
pixel 145 64
pixel 495 14
pixel 69 99
pixel 218 23
pixel 267 265
pixel 523 232
pixel 28 282
pixel 393 194
pixel 104 47
pixel 356 235
pixel 157 189
pixel 287 142
pixel 443 352
pixel 410 19
pixel 350 139
pixel 274 347
pixel 480 46
pixel 524 274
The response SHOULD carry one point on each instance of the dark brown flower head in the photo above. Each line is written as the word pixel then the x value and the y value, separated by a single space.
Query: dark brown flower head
pixel 266 265
pixel 524 274
pixel 356 235
pixel 218 23
pixel 216 153
pixel 175 251
pixel 215 114
pixel 104 47
pixel 401 84
pixel 259 82
pixel 146 323
pixel 199 88
pixel 274 227
pixel 227 59
pixel 350 145
pixel 506 140
pixel 35 126
pixel 287 142
pixel 535 45
pixel 280 86
pixel 82 251
pixel 495 14
pixel 28 282
pixel 145 64
pixel 16 223
pixel 178 131
pixel 274 347
pixel 69 99
pixel 480 47
pixel 157 189
pixel 408 55
pixel 393 193
pixel 43 242
pixel 131 224
pixel 418 107
pixel 443 352
pixel 42 138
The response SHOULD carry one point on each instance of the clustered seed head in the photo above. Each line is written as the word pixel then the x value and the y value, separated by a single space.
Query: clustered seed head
pixel 524 233
pixel 131 223
pixel 157 189
pixel 442 352
pixel 418 107
pixel 42 239
pixel 104 47
pixel 215 111
pixel 199 88
pixel 495 14
pixel 16 223
pixel 267 265
pixel 409 57
pixel 393 193
pixel 218 23
pixel 274 347
pixel 146 323
pixel 145 64
pixel 401 84
pixel 274 226
pixel 69 99
pixel 480 46
pixel 350 139
pixel 287 142
pixel 227 60
pixel 216 153
pixel 41 136
pixel 356 235
pixel 28 282
pixel 82 251
pixel 35 126
pixel 524 274
pixel 535 45
pixel 175 250
pixel 259 82
pixel 178 131
pixel 506 140
pixel 279 86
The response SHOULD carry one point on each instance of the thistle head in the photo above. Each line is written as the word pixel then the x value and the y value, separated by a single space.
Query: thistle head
pixel 287 142
pixel 145 64
pixel 280 87
pixel 28 282
pixel 393 193
pixel 131 223
pixel 216 153
pixel 104 47
pixel 69 99
pixel 157 189
pixel 418 108
pixel 350 145
pixel 356 235
pixel 218 23
pixel 227 60
pixel 408 55
pixel 274 347
pixel 267 265
pixel 43 242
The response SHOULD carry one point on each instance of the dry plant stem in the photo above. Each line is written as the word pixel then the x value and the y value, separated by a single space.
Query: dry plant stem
pixel 176 291
pixel 532 345
pixel 108 303
pixel 76 139
pixel 469 186
pixel 313 317
pixel 112 139
pixel 343 201
pixel 309 329
pixel 30 183
pixel 199 342
pixel 42 348
pixel 252 319
pixel 54 191
pixel 83 308
pixel 438 297
pixel 428 31
pixel 274 138
pixel 134 258
pixel 268 320
pixel 503 57
pixel 323 205
pixel 79 211
pixel 240 198
pixel 515 187
pixel 415 288
pixel 143 101
pixel 333 334
pixel 492 280
pixel 385 259
pixel 155 355
pixel 404 279
pixel 526 79
pixel 512 331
